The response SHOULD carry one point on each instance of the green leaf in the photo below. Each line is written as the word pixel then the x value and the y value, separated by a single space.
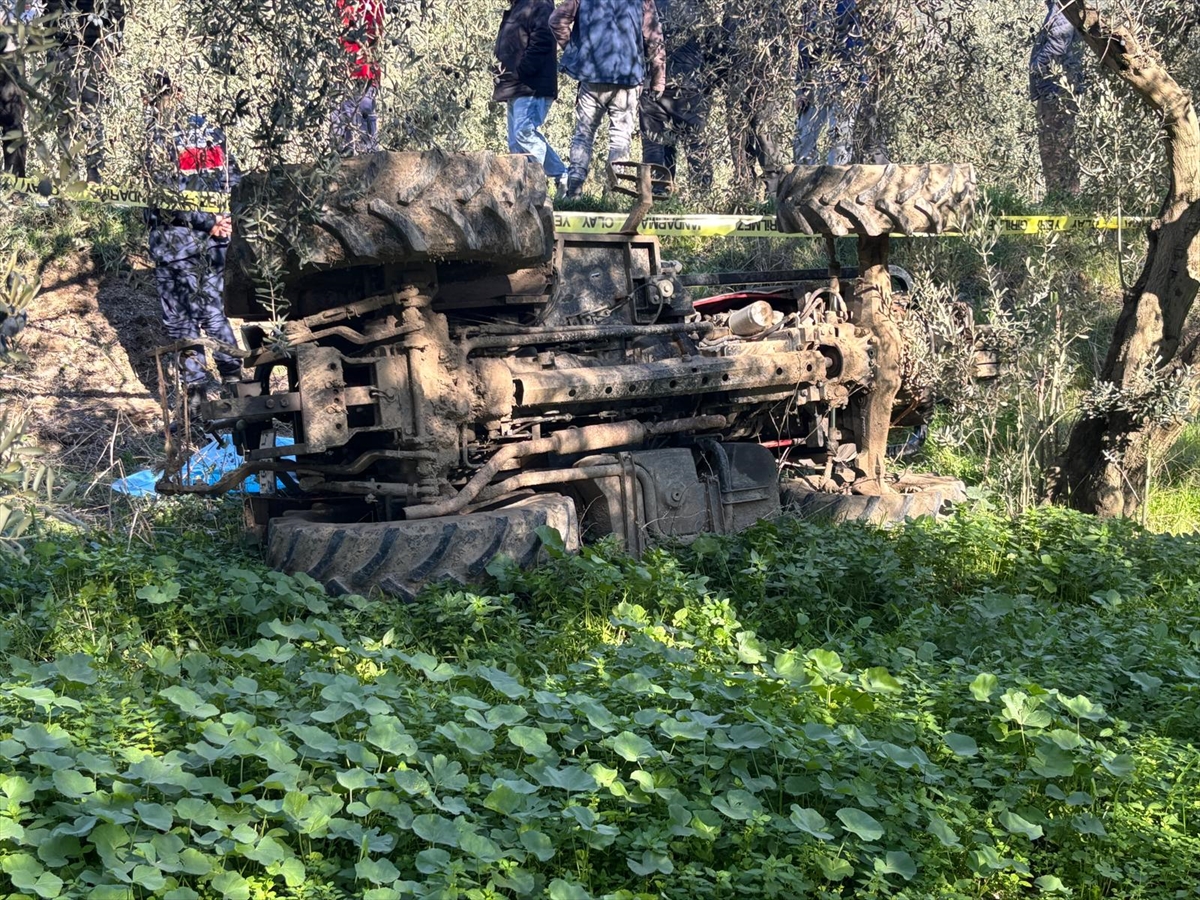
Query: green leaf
pixel 961 744
pixel 43 737
pixel 1082 708
pixel 1051 884
pixel 432 861
pixel 1148 683
pixel 231 885
pixel 984 686
pixel 293 872
pixel 267 852
pixel 750 650
pixel 435 829
pixel 1024 710
pixel 315 738
pixel 148 877
pixel 810 822
pixel 538 844
pixel 376 871
pixel 1086 823
pixel 1015 824
pixel 683 731
pixel 877 680
pixel 1120 764
pixel 835 868
pixel 738 805
pixel 388 734
pixel 941 830
pixel 825 662
pixel 189 702
pixel 651 863
pixel 531 739
pixel 159 593
pixel 356 779
pixel 73 784
pixel 568 778
pixel 76 668
pixel 567 890
pixel 861 823
pixel 11 831
pixel 897 862
pixel 630 747
pixel 155 815
pixel 479 846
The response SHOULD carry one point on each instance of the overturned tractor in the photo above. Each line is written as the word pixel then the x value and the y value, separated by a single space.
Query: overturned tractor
pixel 454 375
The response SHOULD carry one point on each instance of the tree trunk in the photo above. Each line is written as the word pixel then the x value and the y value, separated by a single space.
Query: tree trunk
pixel 870 415
pixel 1105 467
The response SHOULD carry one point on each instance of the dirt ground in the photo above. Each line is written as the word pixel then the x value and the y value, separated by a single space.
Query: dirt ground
pixel 90 387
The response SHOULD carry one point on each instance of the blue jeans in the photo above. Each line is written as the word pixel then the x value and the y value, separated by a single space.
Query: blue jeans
pixel 525 118
pixel 190 291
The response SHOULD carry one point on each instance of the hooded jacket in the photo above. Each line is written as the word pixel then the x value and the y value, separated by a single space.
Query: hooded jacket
pixel 526 52
pixel 611 42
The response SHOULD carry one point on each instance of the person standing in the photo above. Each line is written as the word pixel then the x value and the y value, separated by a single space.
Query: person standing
pixel 356 122
pixel 678 118
pixel 1056 52
pixel 611 48
pixel 527 80
pixel 189 247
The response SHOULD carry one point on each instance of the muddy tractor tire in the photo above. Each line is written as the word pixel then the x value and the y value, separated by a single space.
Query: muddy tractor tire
pixel 916 496
pixel 406 210
pixel 876 200
pixel 399 558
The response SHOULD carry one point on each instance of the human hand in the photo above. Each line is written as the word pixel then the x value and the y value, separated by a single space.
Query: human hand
pixel 223 227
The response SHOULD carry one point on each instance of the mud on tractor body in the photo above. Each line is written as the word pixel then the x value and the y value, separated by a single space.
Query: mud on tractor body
pixel 455 375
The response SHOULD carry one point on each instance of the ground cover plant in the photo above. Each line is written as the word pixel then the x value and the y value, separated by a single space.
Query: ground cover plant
pixel 982 707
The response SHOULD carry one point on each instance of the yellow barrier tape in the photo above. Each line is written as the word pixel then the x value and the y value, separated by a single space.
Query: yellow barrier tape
pixel 111 195
pixel 764 226
pixel 566 222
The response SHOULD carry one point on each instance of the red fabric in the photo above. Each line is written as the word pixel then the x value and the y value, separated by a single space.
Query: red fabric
pixel 201 159
pixel 365 18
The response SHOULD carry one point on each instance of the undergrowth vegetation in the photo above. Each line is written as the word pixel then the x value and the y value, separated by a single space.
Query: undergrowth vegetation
pixel 978 708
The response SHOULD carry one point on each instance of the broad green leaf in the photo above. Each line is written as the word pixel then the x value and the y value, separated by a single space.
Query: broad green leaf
pixel 1120 764
pixel 750 650
pixel 1024 710
pixel 878 680
pixel 42 737
pixel 473 741
pixel 538 844
pixel 356 779
pixel 504 800
pixel 479 846
pixel 567 890
pixel 315 738
pixel 432 861
pixel 738 805
pixel 1086 823
pixel 825 662
pixel 231 885
pixel 810 822
pixel 835 868
pixel 76 668
pixel 189 702
pixel 630 747
pixel 148 877
pixel 376 871
pixel 293 872
pixel 388 734
pixel 961 744
pixel 941 829
pixel 984 686
pixel 11 831
pixel 267 851
pixel 155 815
pixel 861 823
pixel 1015 824
pixel 436 830
pixel 73 784
pixel 531 739
pixel 897 862
pixel 1147 682
pixel 1082 708
pixel 741 737
pixel 567 778
pixel 1051 884
pixel 651 863
pixel 682 731
pixel 636 683
pixel 1051 761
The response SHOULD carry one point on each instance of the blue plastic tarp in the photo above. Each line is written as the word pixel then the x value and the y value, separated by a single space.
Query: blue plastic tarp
pixel 206 466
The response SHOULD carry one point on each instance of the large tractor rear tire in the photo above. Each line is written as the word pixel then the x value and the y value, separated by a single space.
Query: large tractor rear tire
pixel 399 558
pixel 876 200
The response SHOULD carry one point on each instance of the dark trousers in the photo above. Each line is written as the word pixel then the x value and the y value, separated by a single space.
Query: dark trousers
pixel 12 125
pixel 675 120
pixel 190 291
